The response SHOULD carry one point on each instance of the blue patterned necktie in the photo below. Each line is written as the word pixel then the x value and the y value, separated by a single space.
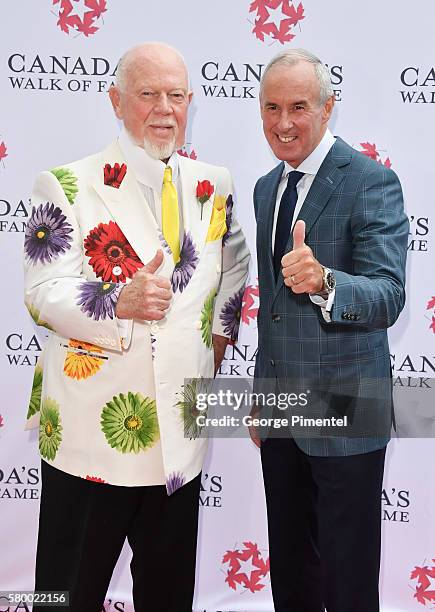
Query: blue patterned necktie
pixel 285 217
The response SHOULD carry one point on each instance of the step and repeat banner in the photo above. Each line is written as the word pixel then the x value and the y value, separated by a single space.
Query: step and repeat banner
pixel 57 62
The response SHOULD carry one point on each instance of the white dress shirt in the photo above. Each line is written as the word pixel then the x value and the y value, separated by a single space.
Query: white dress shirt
pixel 149 174
pixel 310 166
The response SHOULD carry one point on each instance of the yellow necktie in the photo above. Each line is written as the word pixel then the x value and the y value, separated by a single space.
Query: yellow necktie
pixel 170 214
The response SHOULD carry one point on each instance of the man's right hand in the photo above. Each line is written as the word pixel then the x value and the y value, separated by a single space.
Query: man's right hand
pixel 148 296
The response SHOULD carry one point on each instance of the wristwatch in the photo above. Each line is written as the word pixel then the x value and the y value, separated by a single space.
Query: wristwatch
pixel 328 280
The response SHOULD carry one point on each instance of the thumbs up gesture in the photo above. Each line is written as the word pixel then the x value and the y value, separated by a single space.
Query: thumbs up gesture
pixel 148 296
pixel 301 271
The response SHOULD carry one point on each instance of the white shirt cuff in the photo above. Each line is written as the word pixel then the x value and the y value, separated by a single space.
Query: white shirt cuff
pixel 125 327
pixel 324 304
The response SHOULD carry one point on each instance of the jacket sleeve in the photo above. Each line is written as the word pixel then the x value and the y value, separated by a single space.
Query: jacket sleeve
pixel 235 269
pixel 374 294
pixel 57 294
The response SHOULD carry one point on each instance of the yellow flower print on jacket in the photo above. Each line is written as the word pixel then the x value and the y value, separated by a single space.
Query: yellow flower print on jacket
pixel 83 361
pixel 218 226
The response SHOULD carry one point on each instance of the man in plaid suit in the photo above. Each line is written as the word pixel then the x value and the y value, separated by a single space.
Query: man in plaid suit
pixel 331 247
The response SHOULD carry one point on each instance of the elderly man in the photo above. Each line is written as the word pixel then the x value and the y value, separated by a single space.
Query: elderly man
pixel 331 246
pixel 136 263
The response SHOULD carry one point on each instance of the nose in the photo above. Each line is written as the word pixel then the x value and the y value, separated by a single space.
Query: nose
pixel 285 122
pixel 162 106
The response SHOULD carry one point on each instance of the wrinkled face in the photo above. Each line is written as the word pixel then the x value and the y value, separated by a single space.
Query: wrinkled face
pixel 153 102
pixel 294 121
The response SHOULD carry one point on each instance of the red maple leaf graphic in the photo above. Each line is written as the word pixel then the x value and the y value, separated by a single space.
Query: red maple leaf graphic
pixel 296 15
pixel 184 153
pixel 231 556
pixel 423 596
pixel 370 150
pixel 66 19
pixel 257 5
pixel 423 576
pixel 431 303
pixel 1 421
pixel 261 29
pixel 251 550
pixel 263 566
pixel 230 581
pixel 3 150
pixel 432 325
pixel 282 34
pixel 87 25
pixel 95 479
pixel 254 584
pixel 262 8
pixel 98 7
pixel 248 312
pixel 234 577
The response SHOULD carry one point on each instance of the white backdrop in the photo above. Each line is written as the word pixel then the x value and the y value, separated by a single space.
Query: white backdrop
pixel 381 59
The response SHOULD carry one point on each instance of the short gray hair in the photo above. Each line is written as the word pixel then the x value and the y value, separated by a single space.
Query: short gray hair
pixel 129 56
pixel 294 56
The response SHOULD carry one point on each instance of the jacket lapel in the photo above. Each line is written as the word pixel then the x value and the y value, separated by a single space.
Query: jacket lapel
pixel 191 207
pixel 266 211
pixel 326 181
pixel 130 210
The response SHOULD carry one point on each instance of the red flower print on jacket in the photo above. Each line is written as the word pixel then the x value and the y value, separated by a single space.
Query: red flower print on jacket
pixel 114 176
pixel 204 191
pixel 111 256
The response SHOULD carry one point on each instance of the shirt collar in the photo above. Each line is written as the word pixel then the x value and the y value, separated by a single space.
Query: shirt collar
pixel 147 170
pixel 312 163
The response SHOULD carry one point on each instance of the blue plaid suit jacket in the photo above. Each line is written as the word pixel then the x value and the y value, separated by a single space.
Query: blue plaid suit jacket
pixel 355 225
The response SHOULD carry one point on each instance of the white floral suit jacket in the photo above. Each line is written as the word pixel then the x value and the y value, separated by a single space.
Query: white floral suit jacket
pixel 106 412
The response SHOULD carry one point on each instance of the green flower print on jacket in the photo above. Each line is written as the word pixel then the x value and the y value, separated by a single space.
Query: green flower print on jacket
pixel 130 423
pixel 50 429
pixel 207 318
pixel 188 406
pixel 35 396
pixel 68 182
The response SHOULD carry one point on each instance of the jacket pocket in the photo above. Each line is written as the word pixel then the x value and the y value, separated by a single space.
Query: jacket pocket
pixel 82 359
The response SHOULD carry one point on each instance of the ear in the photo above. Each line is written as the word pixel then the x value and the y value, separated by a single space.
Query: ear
pixel 261 109
pixel 189 97
pixel 115 98
pixel 327 109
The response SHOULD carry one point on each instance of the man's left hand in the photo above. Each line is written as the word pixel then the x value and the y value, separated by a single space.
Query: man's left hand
pixel 301 271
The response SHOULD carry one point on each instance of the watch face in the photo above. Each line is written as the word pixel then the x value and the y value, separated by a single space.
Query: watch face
pixel 330 281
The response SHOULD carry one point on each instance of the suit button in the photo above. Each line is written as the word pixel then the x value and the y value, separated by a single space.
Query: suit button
pixel 272 362
pixel 354 317
pixel 276 318
pixel 357 317
pixel 344 315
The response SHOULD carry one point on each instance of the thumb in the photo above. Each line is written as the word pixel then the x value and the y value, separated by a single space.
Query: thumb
pixel 299 234
pixel 154 264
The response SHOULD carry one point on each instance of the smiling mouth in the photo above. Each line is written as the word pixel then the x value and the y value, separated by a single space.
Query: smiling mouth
pixel 286 139
pixel 162 127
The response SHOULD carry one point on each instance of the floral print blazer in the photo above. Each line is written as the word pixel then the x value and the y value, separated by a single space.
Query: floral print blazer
pixel 115 413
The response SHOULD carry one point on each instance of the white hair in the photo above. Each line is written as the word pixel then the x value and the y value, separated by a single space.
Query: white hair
pixel 130 55
pixel 294 56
